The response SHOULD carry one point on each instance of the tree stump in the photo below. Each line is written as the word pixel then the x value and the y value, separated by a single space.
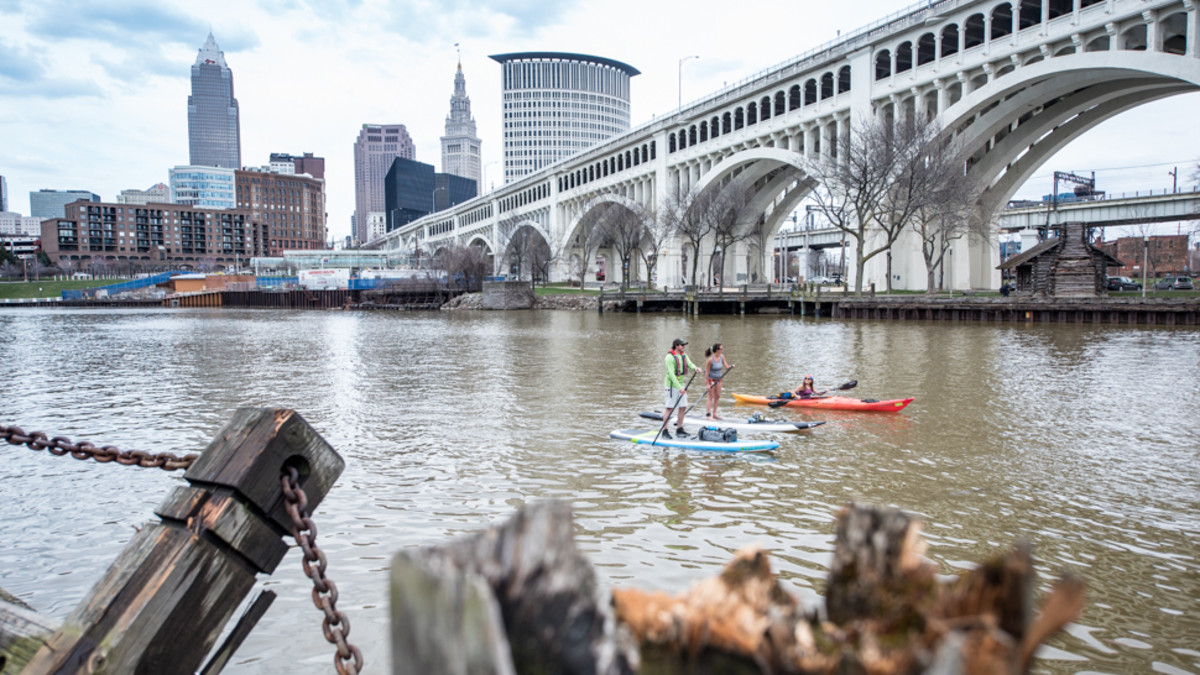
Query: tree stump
pixel 523 582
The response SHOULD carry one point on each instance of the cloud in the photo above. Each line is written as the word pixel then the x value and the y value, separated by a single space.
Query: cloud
pixel 28 76
pixel 423 23
pixel 18 64
pixel 136 39
pixel 125 25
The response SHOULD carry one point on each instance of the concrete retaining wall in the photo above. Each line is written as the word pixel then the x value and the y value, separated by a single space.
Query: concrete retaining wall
pixel 507 295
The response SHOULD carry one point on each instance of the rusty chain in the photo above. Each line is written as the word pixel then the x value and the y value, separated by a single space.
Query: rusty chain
pixel 61 445
pixel 348 659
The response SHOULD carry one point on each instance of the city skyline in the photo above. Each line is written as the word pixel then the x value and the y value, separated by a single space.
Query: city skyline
pixel 90 98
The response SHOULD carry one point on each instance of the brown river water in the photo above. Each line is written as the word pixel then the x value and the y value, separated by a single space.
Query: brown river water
pixel 1083 439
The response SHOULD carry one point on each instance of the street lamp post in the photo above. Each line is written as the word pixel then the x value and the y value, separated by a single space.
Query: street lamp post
pixel 1145 253
pixel 686 58
pixel 433 199
pixel 483 189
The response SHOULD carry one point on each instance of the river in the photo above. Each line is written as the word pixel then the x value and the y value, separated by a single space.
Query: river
pixel 1082 438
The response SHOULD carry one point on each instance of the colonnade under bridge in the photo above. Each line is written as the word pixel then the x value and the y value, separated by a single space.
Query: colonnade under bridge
pixel 1013 81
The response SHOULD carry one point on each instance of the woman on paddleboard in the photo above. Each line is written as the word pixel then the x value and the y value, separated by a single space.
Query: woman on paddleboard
pixel 715 367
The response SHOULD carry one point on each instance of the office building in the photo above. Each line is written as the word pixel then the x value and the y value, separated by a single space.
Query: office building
pixel 556 104
pixel 412 189
pixel 282 162
pixel 3 193
pixel 208 187
pixel 159 193
pixel 50 203
pixel 154 236
pixel 289 208
pixel 377 145
pixel 460 145
pixel 17 225
pixel 214 132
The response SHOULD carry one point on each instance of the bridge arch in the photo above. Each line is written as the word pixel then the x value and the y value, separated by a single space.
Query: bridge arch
pixel 1009 127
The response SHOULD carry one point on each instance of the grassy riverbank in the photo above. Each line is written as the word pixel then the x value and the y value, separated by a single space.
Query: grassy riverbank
pixel 46 288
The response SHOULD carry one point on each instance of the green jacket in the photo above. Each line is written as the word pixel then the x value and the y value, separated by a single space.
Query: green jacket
pixel 674 380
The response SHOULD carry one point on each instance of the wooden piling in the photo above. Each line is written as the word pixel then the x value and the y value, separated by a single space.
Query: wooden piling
pixel 167 597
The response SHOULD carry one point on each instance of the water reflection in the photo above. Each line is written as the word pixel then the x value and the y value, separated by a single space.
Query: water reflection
pixel 1081 438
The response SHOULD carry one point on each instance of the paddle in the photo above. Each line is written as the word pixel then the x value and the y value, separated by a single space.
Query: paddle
pixel 784 401
pixel 666 413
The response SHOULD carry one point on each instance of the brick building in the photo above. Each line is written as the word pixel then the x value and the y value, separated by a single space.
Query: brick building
pixel 1164 255
pixel 289 208
pixel 152 236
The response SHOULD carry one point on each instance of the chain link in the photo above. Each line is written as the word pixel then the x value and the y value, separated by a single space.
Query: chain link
pixel 348 660
pixel 61 445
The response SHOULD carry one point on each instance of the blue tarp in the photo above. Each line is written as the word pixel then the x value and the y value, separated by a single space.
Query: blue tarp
pixel 120 287
pixel 268 282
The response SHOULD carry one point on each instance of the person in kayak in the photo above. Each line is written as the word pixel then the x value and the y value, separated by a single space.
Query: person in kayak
pixel 678 365
pixel 805 390
pixel 715 368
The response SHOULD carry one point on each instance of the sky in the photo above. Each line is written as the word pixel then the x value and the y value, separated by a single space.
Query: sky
pixel 93 95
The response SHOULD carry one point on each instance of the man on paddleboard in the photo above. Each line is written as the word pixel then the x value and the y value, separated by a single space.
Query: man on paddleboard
pixel 678 365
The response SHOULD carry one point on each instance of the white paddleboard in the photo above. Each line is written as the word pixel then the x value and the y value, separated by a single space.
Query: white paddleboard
pixel 644 437
pixel 741 424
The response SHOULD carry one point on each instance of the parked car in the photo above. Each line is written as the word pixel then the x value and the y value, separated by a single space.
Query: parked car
pixel 1174 284
pixel 1122 284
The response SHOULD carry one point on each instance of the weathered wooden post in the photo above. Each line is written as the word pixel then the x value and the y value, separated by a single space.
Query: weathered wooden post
pixel 167 597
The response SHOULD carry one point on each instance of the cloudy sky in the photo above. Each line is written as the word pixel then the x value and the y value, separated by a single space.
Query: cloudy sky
pixel 94 95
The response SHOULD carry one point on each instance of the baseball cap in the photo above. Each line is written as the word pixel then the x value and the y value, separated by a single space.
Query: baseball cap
pixel 678 342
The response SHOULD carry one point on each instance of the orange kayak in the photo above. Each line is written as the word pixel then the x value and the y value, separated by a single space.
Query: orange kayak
pixel 831 402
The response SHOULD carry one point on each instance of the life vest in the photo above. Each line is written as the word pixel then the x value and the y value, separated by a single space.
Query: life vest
pixel 681 365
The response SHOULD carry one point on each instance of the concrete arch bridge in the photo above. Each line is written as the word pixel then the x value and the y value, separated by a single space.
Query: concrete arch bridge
pixel 1013 80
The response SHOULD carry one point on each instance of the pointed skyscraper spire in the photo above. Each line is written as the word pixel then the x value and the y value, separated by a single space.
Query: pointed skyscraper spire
pixel 214 130
pixel 460 145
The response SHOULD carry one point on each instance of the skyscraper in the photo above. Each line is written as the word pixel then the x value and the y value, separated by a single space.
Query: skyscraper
pixel 557 104
pixel 214 134
pixel 460 145
pixel 51 203
pixel 376 147
pixel 3 194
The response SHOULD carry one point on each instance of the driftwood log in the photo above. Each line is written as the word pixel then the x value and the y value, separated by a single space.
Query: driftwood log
pixel 886 611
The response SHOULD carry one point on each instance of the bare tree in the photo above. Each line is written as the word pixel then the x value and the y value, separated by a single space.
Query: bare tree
pixel 523 247
pixel 585 241
pixel 465 266
pixel 729 224
pixel 935 198
pixel 660 225
pixel 714 212
pixel 862 189
pixel 624 228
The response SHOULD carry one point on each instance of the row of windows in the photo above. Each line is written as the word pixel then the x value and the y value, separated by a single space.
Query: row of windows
pixel 524 197
pixel 566 75
pixel 1001 21
pixel 618 162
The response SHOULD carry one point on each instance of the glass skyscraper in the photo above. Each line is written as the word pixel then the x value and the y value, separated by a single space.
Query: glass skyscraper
pixel 214 135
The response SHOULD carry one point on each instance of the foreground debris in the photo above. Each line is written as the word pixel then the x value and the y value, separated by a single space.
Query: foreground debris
pixel 520 598
pixel 886 611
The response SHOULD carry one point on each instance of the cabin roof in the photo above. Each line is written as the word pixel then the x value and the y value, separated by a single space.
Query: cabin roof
pixel 1043 246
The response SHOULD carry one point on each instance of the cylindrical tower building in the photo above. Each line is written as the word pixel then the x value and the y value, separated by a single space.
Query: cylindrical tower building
pixel 557 104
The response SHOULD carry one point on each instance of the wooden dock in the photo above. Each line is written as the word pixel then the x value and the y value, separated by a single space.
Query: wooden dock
pixel 839 304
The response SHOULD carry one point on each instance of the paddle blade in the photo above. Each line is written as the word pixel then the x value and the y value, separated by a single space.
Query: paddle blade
pixel 849 385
